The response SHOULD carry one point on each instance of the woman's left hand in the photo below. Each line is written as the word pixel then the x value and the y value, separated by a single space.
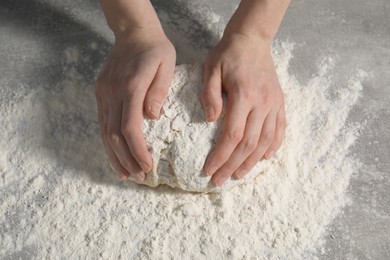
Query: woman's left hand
pixel 254 123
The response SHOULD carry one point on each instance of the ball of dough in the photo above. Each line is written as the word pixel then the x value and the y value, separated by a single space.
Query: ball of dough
pixel 181 139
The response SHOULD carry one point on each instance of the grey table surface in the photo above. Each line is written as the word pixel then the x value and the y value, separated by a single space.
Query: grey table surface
pixel 357 32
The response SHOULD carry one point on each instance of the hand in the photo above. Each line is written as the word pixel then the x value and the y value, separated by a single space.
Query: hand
pixel 254 122
pixel 134 79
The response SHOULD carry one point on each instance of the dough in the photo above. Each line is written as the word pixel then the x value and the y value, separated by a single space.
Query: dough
pixel 181 139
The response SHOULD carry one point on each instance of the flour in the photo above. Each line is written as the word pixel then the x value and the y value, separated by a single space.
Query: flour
pixel 59 198
pixel 181 139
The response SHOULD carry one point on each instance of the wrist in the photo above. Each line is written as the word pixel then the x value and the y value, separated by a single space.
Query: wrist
pixel 139 32
pixel 129 25
pixel 257 19
pixel 239 29
pixel 127 17
pixel 246 38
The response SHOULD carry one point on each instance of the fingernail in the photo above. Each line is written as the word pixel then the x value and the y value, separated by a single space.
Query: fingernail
pixel 209 112
pixel 145 166
pixel 269 155
pixel 122 177
pixel 240 174
pixel 140 176
pixel 155 111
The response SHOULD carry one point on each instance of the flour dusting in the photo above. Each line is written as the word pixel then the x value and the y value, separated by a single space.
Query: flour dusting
pixel 181 139
pixel 59 198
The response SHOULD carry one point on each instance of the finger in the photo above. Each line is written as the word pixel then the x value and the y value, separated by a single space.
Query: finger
pixel 158 90
pixel 118 143
pixel 103 119
pixel 246 147
pixel 266 138
pixel 279 133
pixel 100 110
pixel 234 125
pixel 131 128
pixel 121 172
pixel 211 96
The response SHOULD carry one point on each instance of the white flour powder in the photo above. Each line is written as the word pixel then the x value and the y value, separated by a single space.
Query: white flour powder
pixel 59 198
pixel 181 139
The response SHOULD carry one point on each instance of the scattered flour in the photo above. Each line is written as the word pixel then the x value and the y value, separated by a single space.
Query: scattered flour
pixel 59 198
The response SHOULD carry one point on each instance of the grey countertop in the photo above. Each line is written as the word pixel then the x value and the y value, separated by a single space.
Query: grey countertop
pixel 357 32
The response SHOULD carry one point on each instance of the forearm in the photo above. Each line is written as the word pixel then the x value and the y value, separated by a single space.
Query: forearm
pixel 126 16
pixel 258 18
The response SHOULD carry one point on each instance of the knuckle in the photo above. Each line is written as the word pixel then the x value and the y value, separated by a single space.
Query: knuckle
pixel 219 156
pixel 234 135
pixel 113 137
pixel 127 129
pixel 265 98
pixel 250 144
pixel 240 81
pixel 243 93
pixel 268 137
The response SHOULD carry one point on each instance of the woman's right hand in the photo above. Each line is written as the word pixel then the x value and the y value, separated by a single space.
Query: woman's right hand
pixel 134 80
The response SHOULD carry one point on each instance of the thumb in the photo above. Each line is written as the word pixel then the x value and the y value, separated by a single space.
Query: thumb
pixel 211 96
pixel 158 91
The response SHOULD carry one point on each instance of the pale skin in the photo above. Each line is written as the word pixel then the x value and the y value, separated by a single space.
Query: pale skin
pixel 136 76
